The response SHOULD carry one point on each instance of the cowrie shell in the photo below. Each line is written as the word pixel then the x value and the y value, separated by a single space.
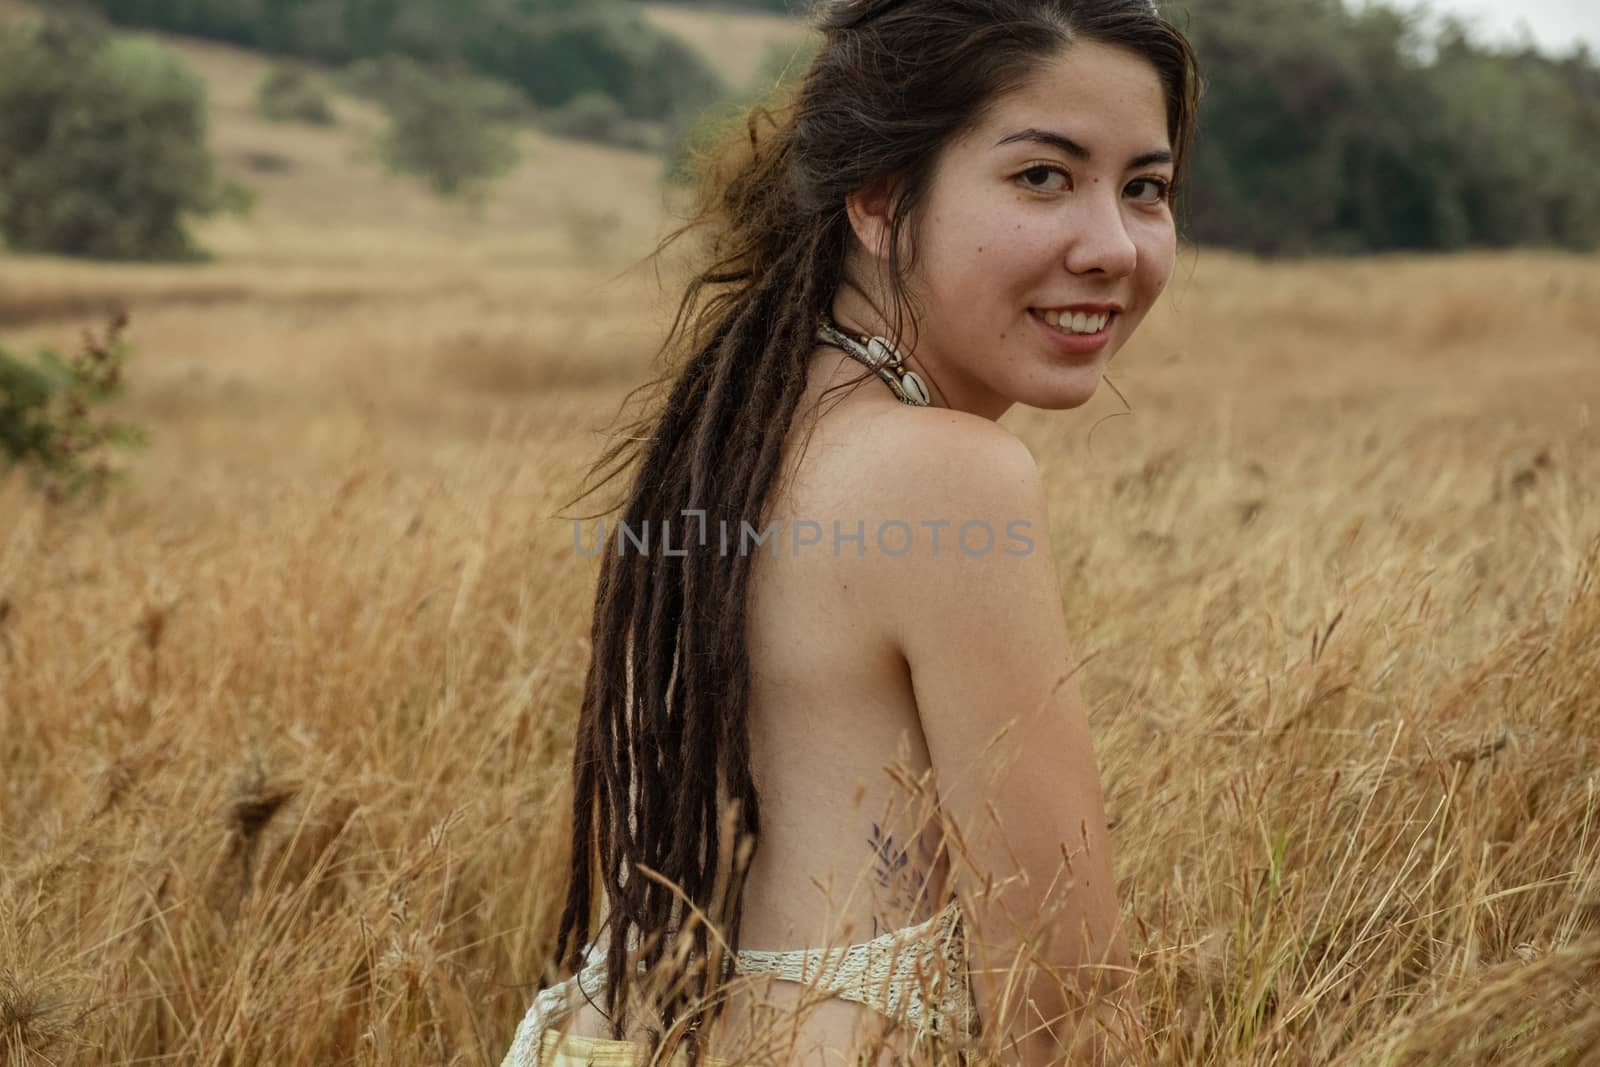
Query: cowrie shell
pixel 880 352
pixel 914 389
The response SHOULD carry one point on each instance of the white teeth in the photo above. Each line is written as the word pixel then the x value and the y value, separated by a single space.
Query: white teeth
pixel 1076 323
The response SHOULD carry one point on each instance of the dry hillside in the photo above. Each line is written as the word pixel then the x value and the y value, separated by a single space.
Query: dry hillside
pixel 736 44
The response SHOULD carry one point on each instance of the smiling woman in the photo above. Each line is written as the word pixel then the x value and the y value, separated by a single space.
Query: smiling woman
pixel 1039 220
pixel 967 205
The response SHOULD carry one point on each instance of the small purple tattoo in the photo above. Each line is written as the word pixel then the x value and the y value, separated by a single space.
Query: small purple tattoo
pixel 895 873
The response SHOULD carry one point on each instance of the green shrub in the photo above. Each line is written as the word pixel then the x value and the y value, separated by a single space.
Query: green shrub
pixel 594 116
pixel 443 128
pixel 47 426
pixel 293 94
pixel 780 7
pixel 386 79
pixel 369 79
pixel 602 47
pixel 102 145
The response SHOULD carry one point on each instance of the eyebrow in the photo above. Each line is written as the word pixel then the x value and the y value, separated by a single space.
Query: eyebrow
pixel 1076 150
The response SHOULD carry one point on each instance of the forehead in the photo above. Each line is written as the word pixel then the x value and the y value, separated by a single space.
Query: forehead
pixel 1091 92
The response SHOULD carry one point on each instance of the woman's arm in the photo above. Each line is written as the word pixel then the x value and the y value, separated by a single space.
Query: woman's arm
pixel 986 640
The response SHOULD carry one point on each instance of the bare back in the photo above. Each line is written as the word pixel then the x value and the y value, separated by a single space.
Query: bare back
pixel 845 852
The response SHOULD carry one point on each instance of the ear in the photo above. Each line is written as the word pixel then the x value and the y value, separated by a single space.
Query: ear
pixel 871 212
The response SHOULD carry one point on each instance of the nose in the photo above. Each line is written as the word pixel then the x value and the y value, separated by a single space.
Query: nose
pixel 1100 243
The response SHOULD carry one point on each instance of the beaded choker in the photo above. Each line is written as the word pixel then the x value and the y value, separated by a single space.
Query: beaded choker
pixel 880 355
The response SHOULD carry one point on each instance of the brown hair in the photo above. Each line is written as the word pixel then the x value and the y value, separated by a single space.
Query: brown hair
pixel 662 764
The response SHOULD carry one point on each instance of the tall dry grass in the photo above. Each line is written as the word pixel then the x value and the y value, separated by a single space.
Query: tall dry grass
pixel 284 728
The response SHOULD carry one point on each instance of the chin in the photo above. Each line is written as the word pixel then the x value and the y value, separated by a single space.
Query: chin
pixel 1063 393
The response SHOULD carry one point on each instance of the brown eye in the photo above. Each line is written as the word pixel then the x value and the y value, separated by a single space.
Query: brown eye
pixel 1148 190
pixel 1045 179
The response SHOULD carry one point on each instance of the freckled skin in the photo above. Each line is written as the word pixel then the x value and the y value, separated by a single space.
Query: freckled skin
pixel 1091 233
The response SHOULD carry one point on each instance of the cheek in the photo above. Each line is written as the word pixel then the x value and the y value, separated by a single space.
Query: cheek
pixel 1158 256
pixel 981 240
pixel 973 230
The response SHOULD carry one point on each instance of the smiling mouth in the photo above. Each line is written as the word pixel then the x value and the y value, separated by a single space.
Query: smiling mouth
pixel 1075 324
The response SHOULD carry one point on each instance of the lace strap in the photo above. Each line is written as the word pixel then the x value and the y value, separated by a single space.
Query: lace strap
pixel 889 973
pixel 553 1004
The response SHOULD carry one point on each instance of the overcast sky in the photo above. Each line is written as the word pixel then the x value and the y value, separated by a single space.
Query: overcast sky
pixel 1555 24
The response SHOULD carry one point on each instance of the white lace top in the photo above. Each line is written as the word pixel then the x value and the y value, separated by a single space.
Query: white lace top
pixel 915 974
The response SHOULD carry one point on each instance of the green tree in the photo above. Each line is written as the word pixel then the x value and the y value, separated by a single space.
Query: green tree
pixel 1524 134
pixel 290 93
pixel 102 145
pixel 1329 127
pixel 596 117
pixel 444 127
pixel 782 7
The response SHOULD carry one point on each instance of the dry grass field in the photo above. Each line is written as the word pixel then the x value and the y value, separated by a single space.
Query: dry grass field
pixel 284 726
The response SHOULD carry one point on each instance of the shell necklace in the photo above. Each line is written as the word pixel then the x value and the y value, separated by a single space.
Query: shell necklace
pixel 880 355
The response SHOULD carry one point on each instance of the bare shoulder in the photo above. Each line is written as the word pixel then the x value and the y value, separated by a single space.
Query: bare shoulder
pixel 973 537
pixel 946 459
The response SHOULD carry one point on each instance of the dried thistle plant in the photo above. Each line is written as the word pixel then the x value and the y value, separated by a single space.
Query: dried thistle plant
pixel 48 423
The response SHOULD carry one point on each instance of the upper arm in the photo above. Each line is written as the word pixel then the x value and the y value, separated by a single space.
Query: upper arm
pixel 986 642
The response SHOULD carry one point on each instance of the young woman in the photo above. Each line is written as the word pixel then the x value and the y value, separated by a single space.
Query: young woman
pixel 831 703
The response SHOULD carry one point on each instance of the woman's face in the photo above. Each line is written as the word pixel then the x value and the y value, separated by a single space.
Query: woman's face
pixel 1047 235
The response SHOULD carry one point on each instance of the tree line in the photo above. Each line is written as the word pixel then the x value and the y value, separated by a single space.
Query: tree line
pixel 552 50
pixel 1323 129
pixel 1328 128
